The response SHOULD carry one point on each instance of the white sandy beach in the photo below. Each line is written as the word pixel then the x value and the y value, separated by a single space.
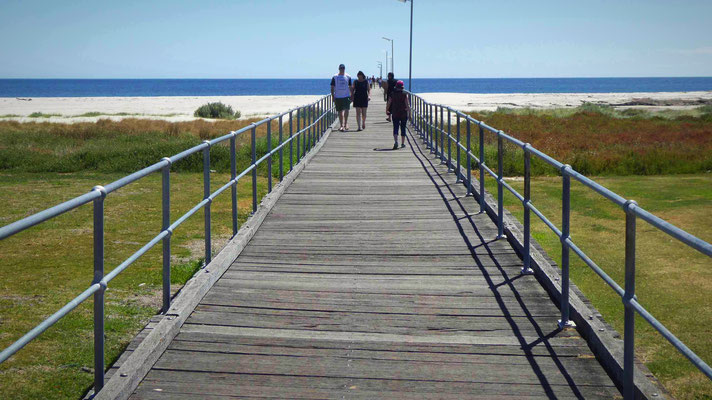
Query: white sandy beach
pixel 182 108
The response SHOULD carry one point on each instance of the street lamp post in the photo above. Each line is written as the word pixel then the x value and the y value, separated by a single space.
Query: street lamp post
pixel 380 69
pixel 390 40
pixel 410 63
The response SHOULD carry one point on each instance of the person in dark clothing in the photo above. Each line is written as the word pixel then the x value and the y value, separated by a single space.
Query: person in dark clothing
pixel 362 94
pixel 390 86
pixel 398 107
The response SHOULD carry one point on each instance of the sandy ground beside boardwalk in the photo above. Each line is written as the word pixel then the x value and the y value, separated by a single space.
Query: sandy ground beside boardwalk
pixel 171 108
pixel 181 108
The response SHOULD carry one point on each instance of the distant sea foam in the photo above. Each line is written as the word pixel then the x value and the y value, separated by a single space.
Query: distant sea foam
pixel 246 87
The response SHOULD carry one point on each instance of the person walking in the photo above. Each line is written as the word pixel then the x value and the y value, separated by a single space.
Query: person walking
pixel 390 86
pixel 341 92
pixel 362 94
pixel 398 107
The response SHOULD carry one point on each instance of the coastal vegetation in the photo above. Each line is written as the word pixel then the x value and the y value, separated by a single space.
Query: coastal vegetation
pixel 595 142
pixel 216 110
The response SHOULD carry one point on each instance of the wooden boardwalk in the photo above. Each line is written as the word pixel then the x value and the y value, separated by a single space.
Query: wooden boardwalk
pixel 374 277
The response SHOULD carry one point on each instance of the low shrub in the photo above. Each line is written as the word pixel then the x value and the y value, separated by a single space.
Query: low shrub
pixel 216 110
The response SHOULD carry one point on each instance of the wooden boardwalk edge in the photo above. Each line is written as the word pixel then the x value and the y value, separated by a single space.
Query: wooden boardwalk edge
pixel 603 340
pixel 153 340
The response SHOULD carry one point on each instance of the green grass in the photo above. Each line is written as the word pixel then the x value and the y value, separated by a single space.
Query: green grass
pixel 121 146
pixel 10 116
pixel 43 115
pixel 673 281
pixel 47 265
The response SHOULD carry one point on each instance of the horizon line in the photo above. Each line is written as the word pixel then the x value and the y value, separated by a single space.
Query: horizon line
pixel 326 78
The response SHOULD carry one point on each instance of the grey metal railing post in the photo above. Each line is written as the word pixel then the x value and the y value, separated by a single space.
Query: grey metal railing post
pixel 526 269
pixel 253 140
pixel 458 175
pixel 310 131
pixel 269 156
pixel 629 313
pixel 449 142
pixel 442 135
pixel 166 222
pixel 482 168
pixel 500 187
pixel 305 139
pixel 565 233
pixel 430 127
pixel 299 111
pixel 469 159
pixel 99 294
pixel 281 153
pixel 435 129
pixel 233 189
pixel 291 143
pixel 206 194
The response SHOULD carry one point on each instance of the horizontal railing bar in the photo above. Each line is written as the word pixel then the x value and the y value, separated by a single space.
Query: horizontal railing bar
pixel 489 171
pixel 226 137
pixel 125 264
pixel 696 361
pixel 511 190
pixel 44 325
pixel 545 220
pixel 689 239
pixel 117 184
pixel 595 268
pixel 596 187
pixel 554 163
pixel 186 153
pixel 59 209
pixel 188 214
pixel 511 139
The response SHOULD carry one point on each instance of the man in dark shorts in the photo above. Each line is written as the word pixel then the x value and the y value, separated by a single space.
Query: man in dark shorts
pixel 341 92
pixel 390 87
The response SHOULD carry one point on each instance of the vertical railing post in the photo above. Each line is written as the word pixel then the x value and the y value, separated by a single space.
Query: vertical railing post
pixel 299 111
pixel 469 159
pixel 291 143
pixel 269 156
pixel 482 168
pixel 233 189
pixel 449 142
pixel 629 313
pixel 442 135
pixel 253 140
pixel 99 294
pixel 500 187
pixel 435 129
pixel 281 153
pixel 527 212
pixel 458 175
pixel 429 127
pixel 206 194
pixel 166 223
pixel 565 234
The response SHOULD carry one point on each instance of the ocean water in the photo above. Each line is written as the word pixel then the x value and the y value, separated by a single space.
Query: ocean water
pixel 242 87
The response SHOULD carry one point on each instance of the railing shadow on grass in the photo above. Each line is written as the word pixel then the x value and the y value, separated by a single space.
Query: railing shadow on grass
pixel 312 121
pixel 429 122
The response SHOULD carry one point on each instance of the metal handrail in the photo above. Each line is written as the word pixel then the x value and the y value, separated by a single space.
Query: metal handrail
pixel 425 120
pixel 312 132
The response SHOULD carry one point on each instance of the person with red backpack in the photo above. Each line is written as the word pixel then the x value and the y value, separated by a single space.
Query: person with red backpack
pixel 398 108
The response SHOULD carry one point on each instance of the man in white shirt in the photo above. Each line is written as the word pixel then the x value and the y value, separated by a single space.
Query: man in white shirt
pixel 341 92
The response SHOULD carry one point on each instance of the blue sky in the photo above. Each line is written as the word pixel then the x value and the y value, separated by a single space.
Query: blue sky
pixel 309 38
